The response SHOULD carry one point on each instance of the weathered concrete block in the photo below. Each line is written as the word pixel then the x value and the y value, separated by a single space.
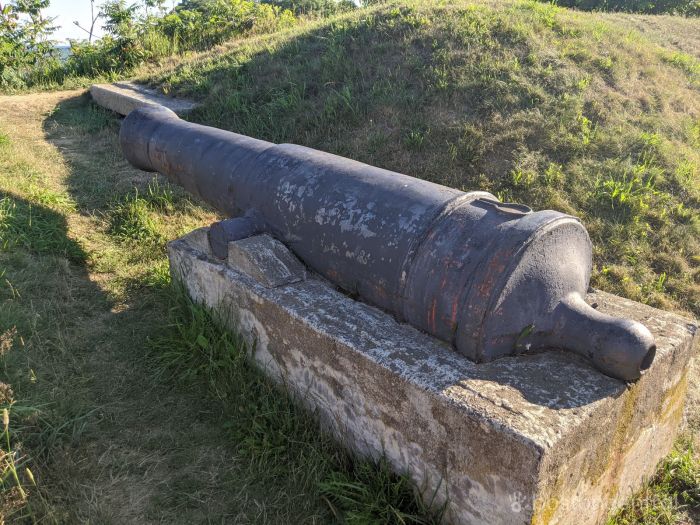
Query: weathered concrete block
pixel 538 439
pixel 124 97
pixel 266 260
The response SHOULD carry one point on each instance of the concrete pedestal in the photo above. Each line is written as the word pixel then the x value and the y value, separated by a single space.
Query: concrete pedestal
pixel 536 439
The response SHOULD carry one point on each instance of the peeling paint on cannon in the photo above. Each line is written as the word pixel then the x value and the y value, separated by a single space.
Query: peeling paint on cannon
pixel 491 278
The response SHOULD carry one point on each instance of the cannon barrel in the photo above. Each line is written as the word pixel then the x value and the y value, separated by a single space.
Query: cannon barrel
pixel 491 278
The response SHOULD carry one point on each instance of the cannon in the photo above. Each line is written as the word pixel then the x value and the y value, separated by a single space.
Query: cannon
pixel 491 278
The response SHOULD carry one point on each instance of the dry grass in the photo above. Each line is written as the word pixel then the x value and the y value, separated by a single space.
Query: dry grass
pixel 542 105
pixel 102 450
pixel 130 407
pixel 671 32
pixel 554 108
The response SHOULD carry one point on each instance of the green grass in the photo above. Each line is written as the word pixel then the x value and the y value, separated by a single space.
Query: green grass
pixel 676 487
pixel 545 106
pixel 537 104
pixel 109 364
pixel 132 220
pixel 281 442
pixel 34 227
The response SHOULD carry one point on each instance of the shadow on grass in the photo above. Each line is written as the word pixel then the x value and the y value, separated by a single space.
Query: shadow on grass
pixel 321 88
pixel 36 228
pixel 516 100
pixel 272 463
pixel 45 275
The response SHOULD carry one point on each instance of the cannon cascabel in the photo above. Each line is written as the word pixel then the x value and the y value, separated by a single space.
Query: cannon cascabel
pixel 491 278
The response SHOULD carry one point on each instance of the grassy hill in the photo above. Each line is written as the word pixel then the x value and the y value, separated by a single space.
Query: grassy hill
pixel 597 115
pixel 132 406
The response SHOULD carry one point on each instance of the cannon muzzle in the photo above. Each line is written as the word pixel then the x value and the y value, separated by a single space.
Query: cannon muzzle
pixel 491 278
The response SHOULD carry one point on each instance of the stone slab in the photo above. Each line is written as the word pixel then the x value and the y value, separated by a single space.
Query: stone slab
pixel 539 439
pixel 266 260
pixel 124 97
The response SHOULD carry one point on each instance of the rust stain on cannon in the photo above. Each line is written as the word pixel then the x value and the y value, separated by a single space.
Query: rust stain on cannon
pixel 491 278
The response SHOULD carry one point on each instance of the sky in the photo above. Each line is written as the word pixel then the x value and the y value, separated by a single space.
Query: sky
pixel 66 11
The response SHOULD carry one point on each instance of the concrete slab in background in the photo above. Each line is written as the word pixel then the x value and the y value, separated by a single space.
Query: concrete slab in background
pixel 124 97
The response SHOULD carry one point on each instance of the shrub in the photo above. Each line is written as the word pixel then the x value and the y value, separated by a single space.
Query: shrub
pixel 134 35
pixel 314 7
pixel 25 51
pixel 679 7
pixel 200 24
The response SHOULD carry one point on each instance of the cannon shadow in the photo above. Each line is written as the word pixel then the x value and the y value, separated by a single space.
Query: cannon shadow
pixel 103 444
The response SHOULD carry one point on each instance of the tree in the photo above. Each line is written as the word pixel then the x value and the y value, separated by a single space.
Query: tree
pixel 24 39
pixel 93 17
pixel 120 18
pixel 159 5
pixel 35 28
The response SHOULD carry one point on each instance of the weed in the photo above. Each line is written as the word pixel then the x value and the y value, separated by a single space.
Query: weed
pixel 583 83
pixel 270 427
pixel 554 175
pixel 131 219
pixel 661 282
pixel 606 64
pixel 160 195
pixel 415 139
pixel 453 151
pixel 675 486
pixel 632 190
pixel 522 177
pixel 686 172
pixel 587 130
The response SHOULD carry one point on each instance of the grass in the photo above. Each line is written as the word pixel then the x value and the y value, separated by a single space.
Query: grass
pixel 279 441
pixel 597 115
pixel 33 227
pixel 581 112
pixel 94 333
pixel 676 487
pixel 132 219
